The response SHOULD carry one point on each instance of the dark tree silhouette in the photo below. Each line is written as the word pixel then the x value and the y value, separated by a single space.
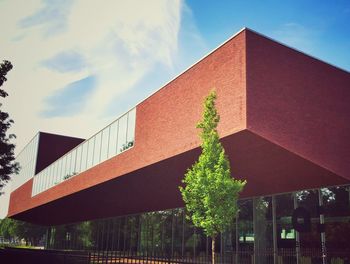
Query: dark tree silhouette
pixel 7 164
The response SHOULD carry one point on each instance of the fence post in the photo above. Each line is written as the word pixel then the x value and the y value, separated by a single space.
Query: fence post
pixel 89 258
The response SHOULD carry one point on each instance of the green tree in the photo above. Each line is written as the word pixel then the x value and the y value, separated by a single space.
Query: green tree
pixel 11 228
pixel 210 193
pixel 7 228
pixel 7 156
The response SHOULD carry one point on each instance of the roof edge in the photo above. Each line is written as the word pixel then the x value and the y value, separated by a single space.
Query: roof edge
pixel 295 49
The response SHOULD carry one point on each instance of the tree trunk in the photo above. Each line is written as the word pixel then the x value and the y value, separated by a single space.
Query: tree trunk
pixel 213 250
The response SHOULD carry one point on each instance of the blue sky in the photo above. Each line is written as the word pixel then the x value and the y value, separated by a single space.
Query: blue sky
pixel 321 28
pixel 79 64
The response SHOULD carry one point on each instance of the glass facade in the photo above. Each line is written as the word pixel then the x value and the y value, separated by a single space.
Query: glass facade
pixel 27 162
pixel 310 226
pixel 110 141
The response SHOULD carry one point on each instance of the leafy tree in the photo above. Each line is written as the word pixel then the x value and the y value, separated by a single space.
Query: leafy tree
pixel 210 193
pixel 7 228
pixel 7 156
pixel 72 236
pixel 11 228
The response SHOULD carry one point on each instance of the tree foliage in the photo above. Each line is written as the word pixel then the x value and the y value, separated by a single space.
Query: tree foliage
pixel 210 193
pixel 7 156
pixel 11 228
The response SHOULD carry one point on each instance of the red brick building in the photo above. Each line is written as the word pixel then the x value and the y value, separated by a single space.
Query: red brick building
pixel 285 125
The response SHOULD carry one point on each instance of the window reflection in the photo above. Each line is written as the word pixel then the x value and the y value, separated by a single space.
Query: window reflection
pixel 64 167
pixel 286 235
pixel 27 162
pixel 68 173
pixel 97 149
pixel 84 156
pixel 336 209
pixel 121 145
pixel 112 140
pixel 78 159
pixel 53 174
pixel 90 155
pixel 58 174
pixel 310 240
pixel 246 230
pixel 72 164
pixel 131 128
pixel 104 144
pixel 166 234
pixel 263 240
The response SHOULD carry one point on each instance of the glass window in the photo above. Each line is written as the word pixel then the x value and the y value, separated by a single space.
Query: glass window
pixel 49 172
pixel 310 239
pixel 104 144
pixel 52 175
pixel 59 171
pixel 84 156
pixel 113 138
pixel 35 185
pixel 44 179
pixel 72 164
pixel 229 244
pixel 90 156
pixel 48 177
pixel 31 161
pixel 166 232
pixel 133 230
pixel 336 212
pixel 41 182
pixel 31 167
pixel 286 235
pixel 38 188
pixel 78 159
pixel 68 165
pixel 178 246
pixel 64 162
pixel 38 180
pixel 57 175
pixel 131 128
pixel 263 229
pixel 201 247
pixel 124 231
pixel 189 239
pixel 144 239
pixel 246 231
pixel 121 146
pixel 97 148
pixel 23 172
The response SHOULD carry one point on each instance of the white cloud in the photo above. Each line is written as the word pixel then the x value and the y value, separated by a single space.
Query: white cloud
pixel 119 42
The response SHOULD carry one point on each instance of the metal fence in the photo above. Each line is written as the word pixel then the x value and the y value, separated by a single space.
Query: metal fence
pixel 312 256
pixel 286 256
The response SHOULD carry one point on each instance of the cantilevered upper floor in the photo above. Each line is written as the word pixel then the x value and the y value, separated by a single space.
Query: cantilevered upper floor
pixel 285 125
